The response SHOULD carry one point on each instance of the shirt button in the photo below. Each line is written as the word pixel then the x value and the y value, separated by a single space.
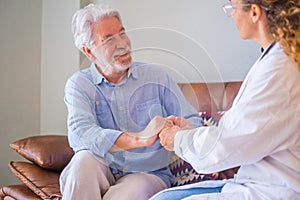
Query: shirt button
pixel 126 153
pixel 97 103
pixel 121 108
pixel 126 168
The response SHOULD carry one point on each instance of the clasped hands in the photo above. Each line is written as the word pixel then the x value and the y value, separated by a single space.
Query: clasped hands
pixel 158 128
pixel 165 129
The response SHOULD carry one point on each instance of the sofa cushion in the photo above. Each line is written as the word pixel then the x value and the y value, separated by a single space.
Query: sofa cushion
pixel 18 192
pixel 47 151
pixel 183 173
pixel 211 118
pixel 42 182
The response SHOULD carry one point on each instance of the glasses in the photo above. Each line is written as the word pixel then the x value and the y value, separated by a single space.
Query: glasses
pixel 229 9
pixel 114 39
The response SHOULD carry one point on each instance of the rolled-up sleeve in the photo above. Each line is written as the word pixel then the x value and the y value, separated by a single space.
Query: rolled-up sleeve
pixel 84 131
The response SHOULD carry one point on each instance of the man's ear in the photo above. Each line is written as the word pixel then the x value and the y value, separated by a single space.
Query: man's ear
pixel 88 53
pixel 255 12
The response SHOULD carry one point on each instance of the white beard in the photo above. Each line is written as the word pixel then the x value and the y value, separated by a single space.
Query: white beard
pixel 113 66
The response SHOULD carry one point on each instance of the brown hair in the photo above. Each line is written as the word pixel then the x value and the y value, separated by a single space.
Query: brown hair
pixel 284 23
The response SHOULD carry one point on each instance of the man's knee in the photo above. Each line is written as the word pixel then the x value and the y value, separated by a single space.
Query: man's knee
pixel 82 165
pixel 147 185
pixel 85 160
pixel 85 174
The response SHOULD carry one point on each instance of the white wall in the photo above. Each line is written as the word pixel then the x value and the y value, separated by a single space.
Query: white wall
pixel 193 40
pixel 20 55
pixel 37 56
pixel 60 59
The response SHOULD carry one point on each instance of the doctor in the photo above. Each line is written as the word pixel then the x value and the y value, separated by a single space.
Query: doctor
pixel 261 132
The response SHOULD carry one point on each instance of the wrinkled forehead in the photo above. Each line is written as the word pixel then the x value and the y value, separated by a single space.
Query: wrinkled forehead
pixel 107 26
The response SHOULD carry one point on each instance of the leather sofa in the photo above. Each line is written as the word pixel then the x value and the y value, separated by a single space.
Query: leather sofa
pixel 47 155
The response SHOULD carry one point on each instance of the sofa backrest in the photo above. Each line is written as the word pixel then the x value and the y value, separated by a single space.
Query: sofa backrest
pixel 210 97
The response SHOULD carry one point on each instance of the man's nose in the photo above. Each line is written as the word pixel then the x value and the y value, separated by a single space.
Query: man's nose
pixel 121 42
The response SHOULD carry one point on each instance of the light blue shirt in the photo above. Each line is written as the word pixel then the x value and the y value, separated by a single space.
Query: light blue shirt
pixel 100 111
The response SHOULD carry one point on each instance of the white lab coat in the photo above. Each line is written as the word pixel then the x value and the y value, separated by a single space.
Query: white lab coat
pixel 260 133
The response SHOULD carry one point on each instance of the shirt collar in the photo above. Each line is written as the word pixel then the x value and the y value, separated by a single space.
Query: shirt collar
pixel 98 78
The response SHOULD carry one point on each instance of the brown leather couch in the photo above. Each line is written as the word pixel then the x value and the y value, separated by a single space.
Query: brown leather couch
pixel 47 155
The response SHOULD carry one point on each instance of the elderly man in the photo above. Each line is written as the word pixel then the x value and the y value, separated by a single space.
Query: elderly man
pixel 116 110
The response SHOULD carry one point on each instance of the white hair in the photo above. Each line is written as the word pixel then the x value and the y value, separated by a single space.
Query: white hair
pixel 84 19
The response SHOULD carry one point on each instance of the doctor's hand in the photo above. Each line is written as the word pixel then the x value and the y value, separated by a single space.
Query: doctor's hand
pixel 167 137
pixel 183 123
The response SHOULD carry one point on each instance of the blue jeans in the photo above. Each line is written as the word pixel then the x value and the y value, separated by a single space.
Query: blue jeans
pixel 182 193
